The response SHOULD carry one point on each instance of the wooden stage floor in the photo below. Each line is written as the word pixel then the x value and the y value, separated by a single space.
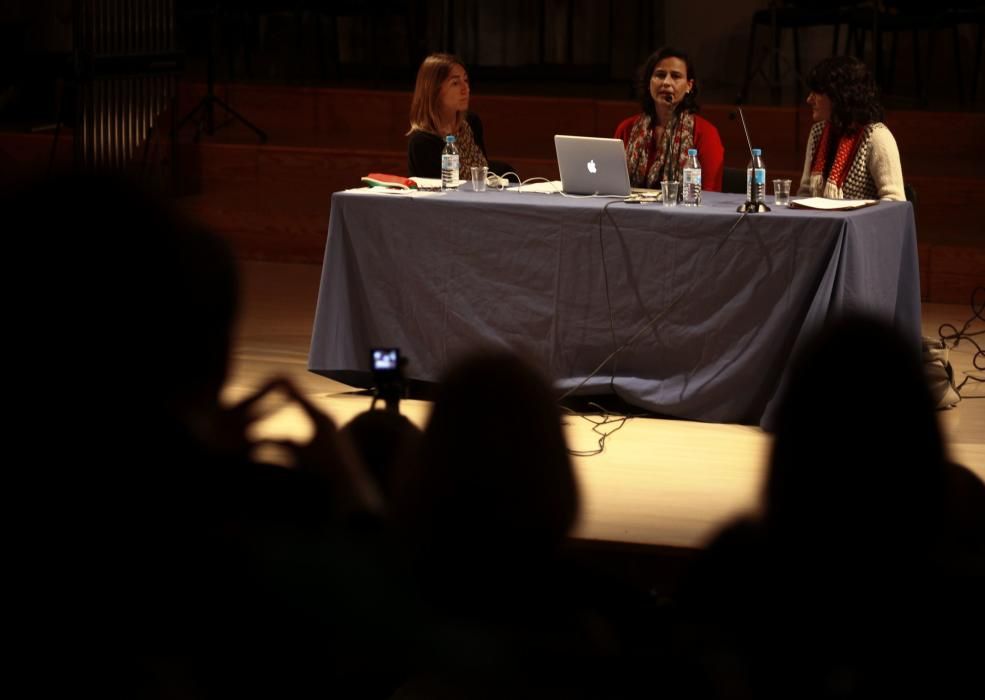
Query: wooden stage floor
pixel 669 483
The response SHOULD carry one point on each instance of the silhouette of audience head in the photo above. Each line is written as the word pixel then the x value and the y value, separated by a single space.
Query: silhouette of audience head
pixel 493 477
pixel 383 439
pixel 140 296
pixel 858 449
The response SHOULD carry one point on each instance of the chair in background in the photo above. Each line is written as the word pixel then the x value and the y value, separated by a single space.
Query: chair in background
pixel 922 21
pixel 734 180
pixel 969 12
pixel 793 15
pixel 375 16
pixel 910 194
pixel 298 40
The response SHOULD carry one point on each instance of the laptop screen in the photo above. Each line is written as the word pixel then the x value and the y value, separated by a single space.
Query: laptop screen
pixel 592 165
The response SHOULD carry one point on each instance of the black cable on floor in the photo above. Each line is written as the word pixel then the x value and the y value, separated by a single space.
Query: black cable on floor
pixel 950 333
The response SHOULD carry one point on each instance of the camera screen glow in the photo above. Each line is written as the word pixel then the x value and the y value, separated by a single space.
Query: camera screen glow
pixel 384 359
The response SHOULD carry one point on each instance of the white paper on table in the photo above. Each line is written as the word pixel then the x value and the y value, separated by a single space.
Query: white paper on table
pixel 433 183
pixel 824 204
pixel 552 187
pixel 393 192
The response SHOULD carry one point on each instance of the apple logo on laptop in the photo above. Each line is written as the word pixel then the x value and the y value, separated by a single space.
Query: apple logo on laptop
pixel 591 167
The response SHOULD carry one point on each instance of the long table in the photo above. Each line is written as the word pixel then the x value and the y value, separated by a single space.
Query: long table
pixel 725 302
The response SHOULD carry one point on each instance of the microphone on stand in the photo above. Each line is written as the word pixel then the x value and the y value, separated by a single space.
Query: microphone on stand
pixel 749 207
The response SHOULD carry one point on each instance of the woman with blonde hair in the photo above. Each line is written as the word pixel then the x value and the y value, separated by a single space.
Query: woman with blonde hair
pixel 439 108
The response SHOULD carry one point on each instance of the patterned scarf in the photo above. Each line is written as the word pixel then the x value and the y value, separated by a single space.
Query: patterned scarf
pixel 469 153
pixel 671 152
pixel 846 151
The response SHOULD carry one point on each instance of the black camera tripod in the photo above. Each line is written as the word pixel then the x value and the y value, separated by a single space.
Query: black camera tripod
pixel 204 111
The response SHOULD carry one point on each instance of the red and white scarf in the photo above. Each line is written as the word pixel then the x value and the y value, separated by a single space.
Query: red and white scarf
pixel 844 158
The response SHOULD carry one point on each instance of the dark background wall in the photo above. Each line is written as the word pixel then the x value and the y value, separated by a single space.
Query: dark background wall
pixel 553 47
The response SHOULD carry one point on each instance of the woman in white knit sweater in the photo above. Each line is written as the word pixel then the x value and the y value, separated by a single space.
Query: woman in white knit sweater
pixel 850 152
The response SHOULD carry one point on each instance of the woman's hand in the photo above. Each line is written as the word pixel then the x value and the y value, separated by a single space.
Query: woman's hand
pixel 327 455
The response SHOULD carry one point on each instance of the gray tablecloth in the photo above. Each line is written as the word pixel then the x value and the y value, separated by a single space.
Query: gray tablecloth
pixel 438 276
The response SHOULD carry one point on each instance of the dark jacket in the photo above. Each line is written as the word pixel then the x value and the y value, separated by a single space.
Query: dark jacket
pixel 424 149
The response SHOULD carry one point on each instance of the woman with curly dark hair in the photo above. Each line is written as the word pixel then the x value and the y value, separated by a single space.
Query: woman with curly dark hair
pixel 657 139
pixel 850 152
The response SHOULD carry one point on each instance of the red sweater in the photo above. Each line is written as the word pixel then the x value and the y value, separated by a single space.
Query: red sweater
pixel 711 152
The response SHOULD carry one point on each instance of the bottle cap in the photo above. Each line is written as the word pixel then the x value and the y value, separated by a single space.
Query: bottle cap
pixel 692 151
pixel 450 138
pixel 757 151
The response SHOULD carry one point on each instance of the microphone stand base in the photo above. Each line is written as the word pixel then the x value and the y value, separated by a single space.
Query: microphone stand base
pixel 752 208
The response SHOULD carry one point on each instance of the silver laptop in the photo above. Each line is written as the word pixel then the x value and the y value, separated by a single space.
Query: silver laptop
pixel 592 165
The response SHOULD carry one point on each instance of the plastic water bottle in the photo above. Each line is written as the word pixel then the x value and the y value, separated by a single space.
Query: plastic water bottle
pixel 692 179
pixel 756 178
pixel 449 164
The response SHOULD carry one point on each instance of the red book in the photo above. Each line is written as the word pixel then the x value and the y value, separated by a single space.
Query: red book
pixel 384 180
